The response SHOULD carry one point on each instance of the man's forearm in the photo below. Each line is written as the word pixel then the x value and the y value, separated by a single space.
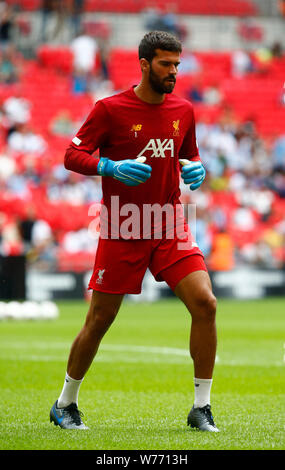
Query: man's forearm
pixel 80 162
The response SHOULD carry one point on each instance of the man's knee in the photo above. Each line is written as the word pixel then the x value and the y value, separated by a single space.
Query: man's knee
pixel 205 306
pixel 101 316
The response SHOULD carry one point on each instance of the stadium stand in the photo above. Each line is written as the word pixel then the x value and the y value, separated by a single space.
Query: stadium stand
pixel 203 7
pixel 240 130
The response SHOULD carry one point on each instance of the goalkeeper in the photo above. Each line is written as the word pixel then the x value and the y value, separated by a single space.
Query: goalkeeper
pixel 146 141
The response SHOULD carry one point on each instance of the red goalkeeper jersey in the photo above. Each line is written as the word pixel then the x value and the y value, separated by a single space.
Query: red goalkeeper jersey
pixel 123 126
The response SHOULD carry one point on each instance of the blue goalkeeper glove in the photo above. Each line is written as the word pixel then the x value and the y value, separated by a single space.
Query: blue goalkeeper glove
pixel 129 172
pixel 193 173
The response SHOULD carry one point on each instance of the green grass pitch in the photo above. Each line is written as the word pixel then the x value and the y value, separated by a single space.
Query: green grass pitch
pixel 139 390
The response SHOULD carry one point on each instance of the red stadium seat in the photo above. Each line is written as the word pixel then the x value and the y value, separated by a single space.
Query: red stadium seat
pixel 27 5
pixel 192 7
pixel 57 57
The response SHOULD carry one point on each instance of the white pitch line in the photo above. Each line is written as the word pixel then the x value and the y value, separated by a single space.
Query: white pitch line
pixel 105 354
pixel 141 354
pixel 146 349
pixel 104 347
pixel 147 359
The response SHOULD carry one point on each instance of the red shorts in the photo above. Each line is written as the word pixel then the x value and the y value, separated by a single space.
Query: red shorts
pixel 120 265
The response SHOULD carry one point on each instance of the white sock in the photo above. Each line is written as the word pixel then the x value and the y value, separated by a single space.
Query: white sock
pixel 69 392
pixel 202 392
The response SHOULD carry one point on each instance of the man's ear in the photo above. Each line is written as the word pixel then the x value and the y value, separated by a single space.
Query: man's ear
pixel 144 65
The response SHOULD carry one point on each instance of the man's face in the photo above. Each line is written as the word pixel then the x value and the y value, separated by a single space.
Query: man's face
pixel 163 70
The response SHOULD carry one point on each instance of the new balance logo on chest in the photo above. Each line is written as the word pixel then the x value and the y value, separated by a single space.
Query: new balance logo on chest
pixel 158 148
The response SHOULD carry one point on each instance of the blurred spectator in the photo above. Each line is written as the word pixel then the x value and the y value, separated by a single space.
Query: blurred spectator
pixel 259 254
pixel 101 88
pixel 101 31
pixel 84 48
pixel 7 165
pixel 80 82
pixel 69 190
pixel 263 58
pixel 157 20
pixel 278 153
pixel 241 63
pixel 172 22
pixel 55 15
pixel 16 111
pixel 196 93
pixel 189 64
pixel 26 226
pixel 6 24
pixel 103 60
pixel 222 255
pixel 243 219
pixel 224 146
pixel 25 140
pixel 41 234
pixel 151 16
pixel 274 237
pixel 79 241
pixel 9 72
pixel 277 49
pixel 277 182
pixel 260 200
pixel 228 118
pixel 43 247
pixel 76 8
pixel 18 185
pixel 212 95
pixel 62 124
pixel 72 188
pixel 203 233
pixel 209 95
pixel 47 11
pixel 10 240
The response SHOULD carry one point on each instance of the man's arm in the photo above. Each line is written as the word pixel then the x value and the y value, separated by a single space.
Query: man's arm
pixel 92 135
pixel 80 161
pixel 129 172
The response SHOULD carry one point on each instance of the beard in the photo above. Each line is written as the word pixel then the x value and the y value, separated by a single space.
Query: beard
pixel 161 86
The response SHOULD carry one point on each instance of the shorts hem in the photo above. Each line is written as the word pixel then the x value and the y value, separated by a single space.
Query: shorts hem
pixel 181 271
pixel 109 291
pixel 157 275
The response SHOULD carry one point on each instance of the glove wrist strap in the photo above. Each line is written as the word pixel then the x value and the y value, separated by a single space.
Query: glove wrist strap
pixel 105 167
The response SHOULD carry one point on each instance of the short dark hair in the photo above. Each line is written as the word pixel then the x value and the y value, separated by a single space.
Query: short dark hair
pixel 158 40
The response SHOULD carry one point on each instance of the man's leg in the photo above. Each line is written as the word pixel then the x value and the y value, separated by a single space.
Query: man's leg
pixel 189 280
pixel 195 291
pixel 102 312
